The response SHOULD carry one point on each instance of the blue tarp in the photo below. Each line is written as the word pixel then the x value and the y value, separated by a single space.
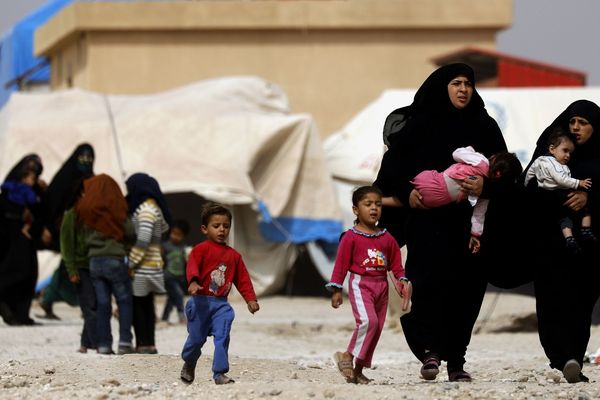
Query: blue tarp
pixel 16 49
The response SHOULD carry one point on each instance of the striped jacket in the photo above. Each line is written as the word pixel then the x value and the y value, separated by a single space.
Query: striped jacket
pixel 149 225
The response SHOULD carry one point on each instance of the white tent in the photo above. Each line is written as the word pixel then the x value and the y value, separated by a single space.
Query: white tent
pixel 354 153
pixel 230 140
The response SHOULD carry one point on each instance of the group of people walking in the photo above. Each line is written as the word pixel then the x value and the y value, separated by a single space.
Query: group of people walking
pixel 442 149
pixel 451 255
pixel 110 245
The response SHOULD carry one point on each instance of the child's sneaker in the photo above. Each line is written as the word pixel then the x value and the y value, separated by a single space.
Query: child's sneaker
pixel 572 245
pixel 188 373
pixel 105 350
pixel 222 379
pixel 123 349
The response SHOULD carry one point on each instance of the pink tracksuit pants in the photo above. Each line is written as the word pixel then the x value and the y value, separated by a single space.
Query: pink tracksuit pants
pixel 369 299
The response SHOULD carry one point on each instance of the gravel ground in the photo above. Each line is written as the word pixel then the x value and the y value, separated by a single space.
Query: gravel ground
pixel 284 351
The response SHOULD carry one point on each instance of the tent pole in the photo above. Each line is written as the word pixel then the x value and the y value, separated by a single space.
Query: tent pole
pixel 113 128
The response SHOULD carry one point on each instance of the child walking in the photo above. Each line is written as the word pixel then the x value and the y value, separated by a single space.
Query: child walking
pixel 175 258
pixel 367 253
pixel 551 172
pixel 212 268
pixel 102 211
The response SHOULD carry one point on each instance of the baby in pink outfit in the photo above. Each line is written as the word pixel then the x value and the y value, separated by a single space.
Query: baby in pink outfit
pixel 441 188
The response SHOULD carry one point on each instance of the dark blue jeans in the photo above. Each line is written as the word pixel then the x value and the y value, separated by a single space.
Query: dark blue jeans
pixel 87 302
pixel 110 277
pixel 176 288
pixel 208 316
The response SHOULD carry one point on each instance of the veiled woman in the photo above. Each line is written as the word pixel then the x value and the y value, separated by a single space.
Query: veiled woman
pixel 449 284
pixel 18 247
pixel 566 285
pixel 79 166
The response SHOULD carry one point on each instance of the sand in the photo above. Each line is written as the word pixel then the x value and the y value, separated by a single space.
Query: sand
pixel 284 352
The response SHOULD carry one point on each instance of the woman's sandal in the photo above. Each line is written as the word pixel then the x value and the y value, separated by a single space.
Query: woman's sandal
pixel 459 375
pixel 344 365
pixel 362 380
pixel 430 368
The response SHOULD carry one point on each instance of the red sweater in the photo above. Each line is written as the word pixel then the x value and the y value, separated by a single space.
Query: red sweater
pixel 367 255
pixel 215 267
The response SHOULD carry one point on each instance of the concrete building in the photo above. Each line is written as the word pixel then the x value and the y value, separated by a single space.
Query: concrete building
pixel 332 57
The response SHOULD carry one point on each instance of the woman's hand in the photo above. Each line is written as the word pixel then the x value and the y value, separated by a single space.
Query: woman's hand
pixel 472 186
pixel 405 292
pixel 391 201
pixel 576 200
pixel 415 200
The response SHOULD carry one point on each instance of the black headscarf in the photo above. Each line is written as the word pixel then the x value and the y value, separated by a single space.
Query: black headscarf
pixel 432 98
pixel 31 162
pixel 580 108
pixel 140 187
pixel 62 188
pixel 14 190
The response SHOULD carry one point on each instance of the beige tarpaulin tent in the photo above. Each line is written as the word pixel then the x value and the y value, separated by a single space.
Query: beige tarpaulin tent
pixel 231 140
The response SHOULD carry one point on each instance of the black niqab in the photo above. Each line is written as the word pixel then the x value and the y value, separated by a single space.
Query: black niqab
pixel 62 188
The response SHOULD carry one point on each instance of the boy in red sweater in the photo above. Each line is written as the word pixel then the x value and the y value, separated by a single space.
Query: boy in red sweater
pixel 211 269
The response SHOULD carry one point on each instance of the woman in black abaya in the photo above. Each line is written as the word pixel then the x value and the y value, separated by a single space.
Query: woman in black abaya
pixel 449 285
pixel 566 285
pixel 18 250
pixel 78 166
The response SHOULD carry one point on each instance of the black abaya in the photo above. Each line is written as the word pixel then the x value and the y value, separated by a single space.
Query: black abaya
pixel 448 280
pixel 18 255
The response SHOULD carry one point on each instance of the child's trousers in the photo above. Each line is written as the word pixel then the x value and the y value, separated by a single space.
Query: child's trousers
pixel 369 300
pixel 208 316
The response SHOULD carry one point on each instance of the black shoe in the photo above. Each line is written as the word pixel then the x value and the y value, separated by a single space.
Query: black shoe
pixel 572 245
pixel 459 375
pixel 49 313
pixel 583 378
pixel 572 371
pixel 7 315
pixel 107 351
pixel 146 350
pixel 125 350
pixel 588 236
pixel 431 367
pixel 188 373
pixel 222 379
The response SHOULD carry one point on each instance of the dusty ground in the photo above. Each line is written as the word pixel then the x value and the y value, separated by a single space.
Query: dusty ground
pixel 283 352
